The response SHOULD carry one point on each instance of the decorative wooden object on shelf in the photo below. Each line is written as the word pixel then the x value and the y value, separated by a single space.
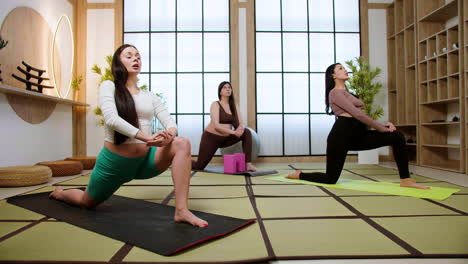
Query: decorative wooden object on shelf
pixel 29 39
pixel 30 75
pixel 29 36
pixel 31 106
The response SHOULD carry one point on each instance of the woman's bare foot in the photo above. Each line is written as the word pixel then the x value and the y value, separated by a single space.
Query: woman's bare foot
pixel 184 215
pixel 294 175
pixel 56 192
pixel 409 183
pixel 250 167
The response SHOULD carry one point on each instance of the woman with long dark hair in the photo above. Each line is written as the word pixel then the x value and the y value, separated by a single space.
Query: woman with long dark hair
pixel 130 149
pixel 224 130
pixel 350 132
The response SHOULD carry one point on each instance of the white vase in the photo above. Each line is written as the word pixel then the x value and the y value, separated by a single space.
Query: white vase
pixel 368 156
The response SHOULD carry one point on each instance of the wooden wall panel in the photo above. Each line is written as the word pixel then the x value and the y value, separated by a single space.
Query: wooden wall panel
pixel 79 112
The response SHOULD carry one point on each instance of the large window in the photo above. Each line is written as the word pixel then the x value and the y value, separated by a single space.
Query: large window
pixel 185 53
pixel 295 42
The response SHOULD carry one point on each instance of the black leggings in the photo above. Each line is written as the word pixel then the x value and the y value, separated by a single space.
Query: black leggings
pixel 350 134
pixel 211 142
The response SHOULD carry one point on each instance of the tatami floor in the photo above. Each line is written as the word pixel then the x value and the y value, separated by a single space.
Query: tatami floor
pixel 295 223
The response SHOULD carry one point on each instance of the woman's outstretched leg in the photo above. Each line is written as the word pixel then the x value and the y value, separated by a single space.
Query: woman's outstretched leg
pixel 375 139
pixel 178 154
pixel 74 196
pixel 336 156
pixel 209 144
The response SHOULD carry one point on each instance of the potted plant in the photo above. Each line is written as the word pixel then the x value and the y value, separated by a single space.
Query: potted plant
pixel 3 43
pixel 362 84
pixel 75 86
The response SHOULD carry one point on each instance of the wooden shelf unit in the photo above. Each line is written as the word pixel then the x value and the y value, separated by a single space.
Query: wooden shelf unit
pixel 463 73
pixel 7 89
pixel 33 107
pixel 392 92
pixel 403 72
pixel 441 97
pixel 427 73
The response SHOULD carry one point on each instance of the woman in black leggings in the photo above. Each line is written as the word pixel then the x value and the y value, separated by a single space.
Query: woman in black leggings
pixel 350 132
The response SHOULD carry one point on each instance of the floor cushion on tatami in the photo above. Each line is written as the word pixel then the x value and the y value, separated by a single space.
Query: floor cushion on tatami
pixel 63 167
pixel 88 162
pixel 24 175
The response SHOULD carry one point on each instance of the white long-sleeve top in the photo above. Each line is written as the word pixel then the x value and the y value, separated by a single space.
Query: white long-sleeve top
pixel 147 104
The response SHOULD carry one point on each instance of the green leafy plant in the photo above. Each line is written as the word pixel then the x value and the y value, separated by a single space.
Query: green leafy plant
pixel 106 73
pixel 75 84
pixel 362 84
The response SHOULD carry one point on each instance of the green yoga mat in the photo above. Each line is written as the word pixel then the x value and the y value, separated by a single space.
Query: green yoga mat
pixel 435 193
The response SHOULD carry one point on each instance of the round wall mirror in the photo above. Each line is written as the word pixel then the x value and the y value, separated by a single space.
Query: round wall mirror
pixel 62 57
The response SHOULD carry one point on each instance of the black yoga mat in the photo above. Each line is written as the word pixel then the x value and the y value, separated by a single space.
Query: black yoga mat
pixel 137 222
pixel 245 173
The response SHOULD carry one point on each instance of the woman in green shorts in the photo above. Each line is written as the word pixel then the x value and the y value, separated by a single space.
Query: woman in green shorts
pixel 130 150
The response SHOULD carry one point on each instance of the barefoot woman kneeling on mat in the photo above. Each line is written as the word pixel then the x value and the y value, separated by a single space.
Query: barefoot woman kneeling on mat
pixel 350 133
pixel 220 134
pixel 130 150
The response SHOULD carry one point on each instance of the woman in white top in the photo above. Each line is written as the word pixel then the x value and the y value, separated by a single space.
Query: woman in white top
pixel 130 150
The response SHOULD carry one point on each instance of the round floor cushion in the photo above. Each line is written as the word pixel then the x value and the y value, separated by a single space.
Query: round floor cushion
pixel 63 167
pixel 24 175
pixel 88 162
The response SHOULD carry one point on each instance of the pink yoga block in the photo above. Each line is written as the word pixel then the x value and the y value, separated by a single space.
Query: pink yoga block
pixel 230 164
pixel 240 161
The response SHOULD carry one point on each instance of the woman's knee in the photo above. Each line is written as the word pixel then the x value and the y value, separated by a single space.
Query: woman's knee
pixel 87 205
pixel 332 180
pixel 87 202
pixel 398 137
pixel 181 143
pixel 247 133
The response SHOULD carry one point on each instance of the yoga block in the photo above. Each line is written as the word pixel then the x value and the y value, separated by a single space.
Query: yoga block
pixel 230 164
pixel 240 161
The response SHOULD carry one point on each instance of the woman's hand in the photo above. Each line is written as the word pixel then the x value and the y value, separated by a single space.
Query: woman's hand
pixel 239 131
pixel 390 126
pixel 161 139
pixel 384 129
pixel 142 136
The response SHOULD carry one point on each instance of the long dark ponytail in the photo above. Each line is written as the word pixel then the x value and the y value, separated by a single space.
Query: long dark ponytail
pixel 232 102
pixel 329 85
pixel 123 99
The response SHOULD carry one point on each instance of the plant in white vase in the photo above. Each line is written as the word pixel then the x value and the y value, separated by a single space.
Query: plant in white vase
pixel 363 85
